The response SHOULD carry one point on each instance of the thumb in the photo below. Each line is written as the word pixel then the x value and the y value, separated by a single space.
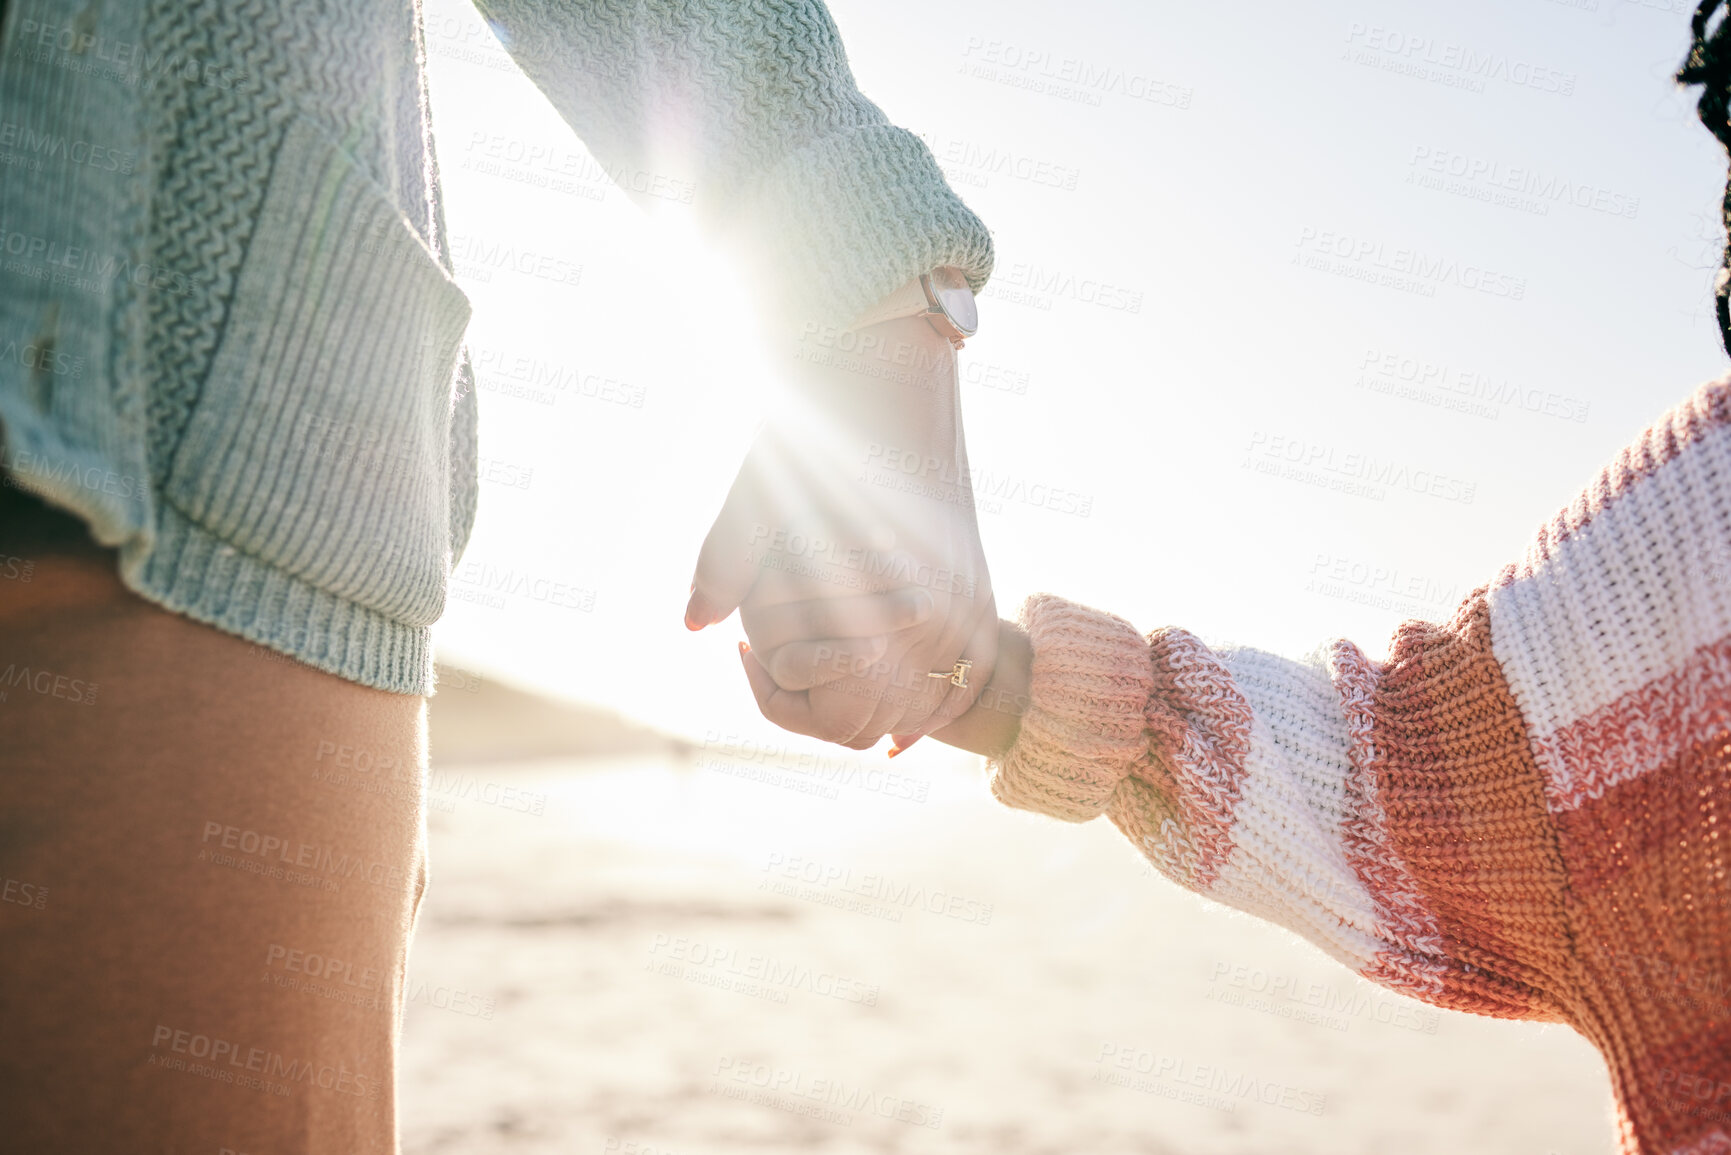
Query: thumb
pixel 727 565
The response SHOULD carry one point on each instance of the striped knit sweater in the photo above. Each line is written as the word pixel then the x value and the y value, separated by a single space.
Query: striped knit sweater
pixel 1517 814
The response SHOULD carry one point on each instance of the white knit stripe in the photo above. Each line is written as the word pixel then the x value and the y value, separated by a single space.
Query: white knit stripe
pixel 1401 970
pixel 1649 729
pixel 1288 861
pixel 1622 603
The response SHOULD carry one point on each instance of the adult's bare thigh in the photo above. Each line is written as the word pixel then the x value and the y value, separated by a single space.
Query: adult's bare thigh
pixel 211 858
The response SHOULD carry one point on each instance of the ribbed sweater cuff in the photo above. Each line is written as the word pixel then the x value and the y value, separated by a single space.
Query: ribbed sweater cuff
pixel 193 572
pixel 1084 728
pixel 849 218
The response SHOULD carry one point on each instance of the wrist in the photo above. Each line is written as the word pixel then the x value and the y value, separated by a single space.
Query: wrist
pixel 994 720
pixel 897 346
pixel 940 296
pixel 893 380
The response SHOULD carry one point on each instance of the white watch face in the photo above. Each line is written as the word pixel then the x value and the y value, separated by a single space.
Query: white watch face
pixel 951 290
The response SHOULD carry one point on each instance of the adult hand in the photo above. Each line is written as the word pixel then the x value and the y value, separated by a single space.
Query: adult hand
pixel 860 488
pixel 990 725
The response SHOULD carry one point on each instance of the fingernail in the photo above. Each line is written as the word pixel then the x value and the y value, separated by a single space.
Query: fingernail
pixel 900 745
pixel 744 649
pixel 695 616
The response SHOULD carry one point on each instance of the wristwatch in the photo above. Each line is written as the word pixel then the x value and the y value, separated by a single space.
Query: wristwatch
pixel 941 296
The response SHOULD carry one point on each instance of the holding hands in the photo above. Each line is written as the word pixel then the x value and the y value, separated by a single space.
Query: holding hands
pixel 850 545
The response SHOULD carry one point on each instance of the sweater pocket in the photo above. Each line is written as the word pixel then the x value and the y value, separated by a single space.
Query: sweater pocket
pixel 319 443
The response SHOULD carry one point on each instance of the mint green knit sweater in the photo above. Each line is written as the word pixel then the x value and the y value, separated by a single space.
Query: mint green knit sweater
pixel 229 336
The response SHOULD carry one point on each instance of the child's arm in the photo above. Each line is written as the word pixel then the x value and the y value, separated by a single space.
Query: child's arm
pixel 1518 814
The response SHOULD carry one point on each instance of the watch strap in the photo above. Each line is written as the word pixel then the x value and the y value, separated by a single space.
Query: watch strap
pixel 907 301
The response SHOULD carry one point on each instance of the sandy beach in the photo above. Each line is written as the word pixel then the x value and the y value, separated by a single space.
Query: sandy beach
pixel 745 951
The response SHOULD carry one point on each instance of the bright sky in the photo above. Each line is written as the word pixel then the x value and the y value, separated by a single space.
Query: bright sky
pixel 1456 255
